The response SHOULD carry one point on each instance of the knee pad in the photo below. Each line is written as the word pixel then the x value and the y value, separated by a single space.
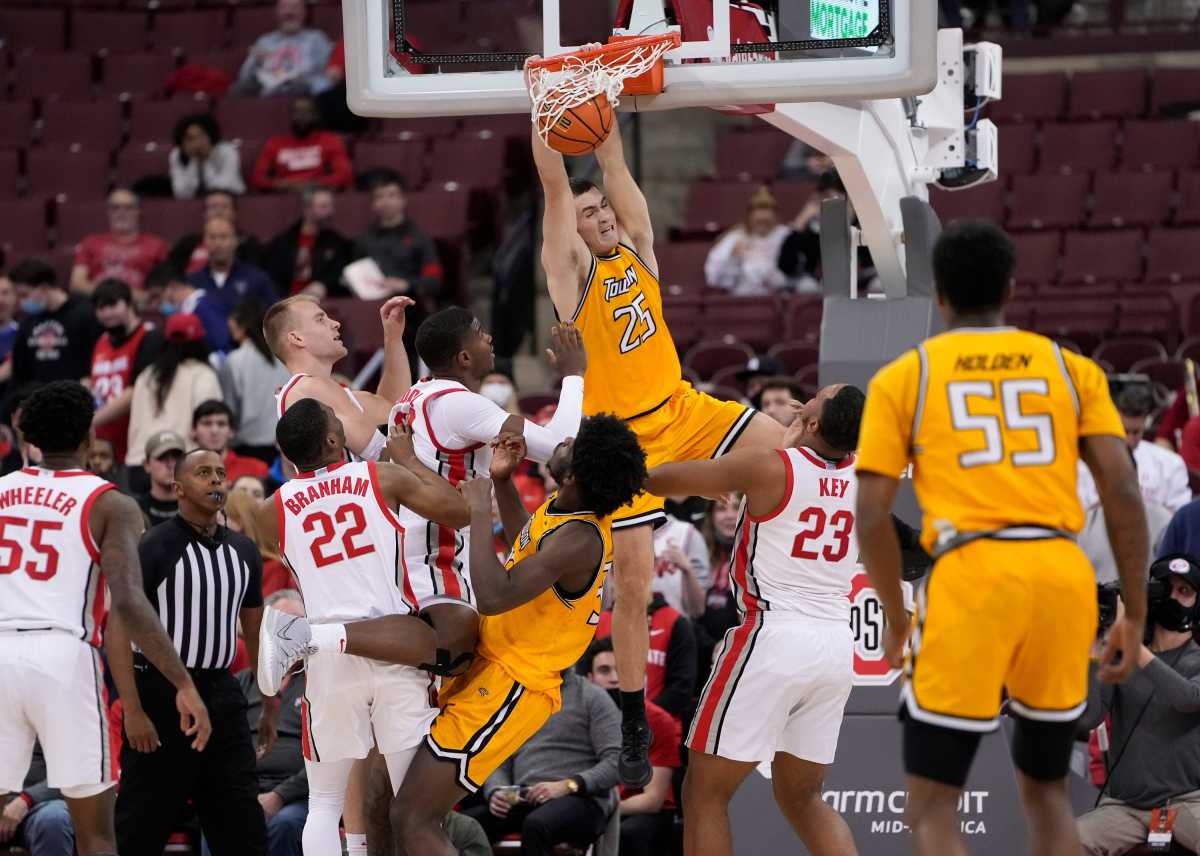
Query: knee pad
pixel 1042 750
pixel 82 792
pixel 938 753
pixel 447 666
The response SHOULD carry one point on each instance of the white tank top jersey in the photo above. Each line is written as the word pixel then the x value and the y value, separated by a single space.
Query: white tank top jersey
pixel 371 453
pixel 50 574
pixel 802 556
pixel 344 544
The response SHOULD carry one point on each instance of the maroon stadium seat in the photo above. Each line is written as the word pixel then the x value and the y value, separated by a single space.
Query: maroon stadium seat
pixel 1173 86
pixel 728 376
pixel 1173 256
pixel 23 225
pixel 713 206
pixel 808 379
pixel 1019 312
pixel 407 129
pixel 983 200
pixel 266 215
pixel 137 73
pixel 91 124
pixel 1130 199
pixel 803 317
pixel 706 358
pixel 1111 93
pixel 193 31
pixel 681 266
pixel 1188 211
pixel 795 355
pixel 250 22
pixel 751 155
pixel 1078 146
pixel 171 219
pixel 1047 200
pixel 440 213
pixel 471 162
pixel 34 29
pixel 1124 352
pixel 754 320
pixel 328 19
pixel 1096 257
pixel 408 158
pixel 1018 148
pixel 78 219
pixel 63 75
pixel 1030 97
pixel 685 316
pixel 16 121
pixel 8 173
pixel 1189 349
pixel 360 323
pixel 254 118
pixel 1163 145
pixel 352 213
pixel 1170 373
pixel 108 32
pixel 1037 256
pixel 80 175
pixel 1084 321
pixel 154 121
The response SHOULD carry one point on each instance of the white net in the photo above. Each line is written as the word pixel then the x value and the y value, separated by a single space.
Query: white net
pixel 581 78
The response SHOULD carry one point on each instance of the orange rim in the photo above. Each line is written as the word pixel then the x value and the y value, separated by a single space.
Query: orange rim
pixel 554 63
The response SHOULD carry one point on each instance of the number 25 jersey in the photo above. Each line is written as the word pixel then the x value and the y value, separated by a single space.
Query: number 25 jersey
pixel 991 419
pixel 632 363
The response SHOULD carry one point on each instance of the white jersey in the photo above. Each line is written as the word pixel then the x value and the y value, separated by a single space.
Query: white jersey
pixel 378 442
pixel 343 544
pixel 50 574
pixel 801 557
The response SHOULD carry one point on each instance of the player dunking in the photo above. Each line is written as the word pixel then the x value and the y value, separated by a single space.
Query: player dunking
pixel 540 613
pixel 337 532
pixel 994 421
pixel 779 685
pixel 598 253
pixel 66 538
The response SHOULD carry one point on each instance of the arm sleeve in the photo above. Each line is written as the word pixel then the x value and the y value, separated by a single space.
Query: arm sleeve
pixel 604 723
pixel 340 173
pixel 885 435
pixel 460 418
pixel 1097 703
pixel 680 682
pixel 542 439
pixel 1097 414
pixel 294 788
pixel 1172 688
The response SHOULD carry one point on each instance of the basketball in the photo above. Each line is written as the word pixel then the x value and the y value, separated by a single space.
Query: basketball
pixel 582 127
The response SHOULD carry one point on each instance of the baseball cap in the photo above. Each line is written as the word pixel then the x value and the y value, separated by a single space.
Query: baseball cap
pixel 765 365
pixel 162 442
pixel 1177 564
pixel 184 327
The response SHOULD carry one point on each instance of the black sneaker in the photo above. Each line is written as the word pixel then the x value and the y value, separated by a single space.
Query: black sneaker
pixel 633 764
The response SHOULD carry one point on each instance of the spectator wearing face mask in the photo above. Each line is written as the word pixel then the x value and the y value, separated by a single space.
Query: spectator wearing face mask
pixel 172 294
pixel 498 387
pixel 57 331
pixel 128 347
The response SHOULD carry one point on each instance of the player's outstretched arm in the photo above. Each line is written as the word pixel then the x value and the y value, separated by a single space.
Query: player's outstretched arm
pixel 397 373
pixel 564 254
pixel 408 482
pixel 508 450
pixel 627 198
pixel 571 550
pixel 1125 519
pixel 761 474
pixel 567 356
pixel 879 550
pixel 117 525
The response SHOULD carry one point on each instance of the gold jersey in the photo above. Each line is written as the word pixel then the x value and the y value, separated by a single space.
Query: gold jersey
pixel 540 638
pixel 990 419
pixel 632 363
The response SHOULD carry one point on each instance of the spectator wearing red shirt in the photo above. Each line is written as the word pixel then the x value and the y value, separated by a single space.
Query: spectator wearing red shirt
pixel 213 429
pixel 124 252
pixel 647 814
pixel 309 255
pixel 308 155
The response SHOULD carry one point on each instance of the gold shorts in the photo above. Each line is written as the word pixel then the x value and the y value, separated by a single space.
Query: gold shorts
pixel 1002 615
pixel 688 426
pixel 486 717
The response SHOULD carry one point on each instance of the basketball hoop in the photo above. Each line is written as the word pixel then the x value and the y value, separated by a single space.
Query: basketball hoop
pixel 631 66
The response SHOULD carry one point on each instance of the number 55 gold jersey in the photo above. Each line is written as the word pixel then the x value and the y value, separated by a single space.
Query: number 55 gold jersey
pixel 991 420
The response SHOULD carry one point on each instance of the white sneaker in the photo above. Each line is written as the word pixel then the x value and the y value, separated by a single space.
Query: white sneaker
pixel 283 640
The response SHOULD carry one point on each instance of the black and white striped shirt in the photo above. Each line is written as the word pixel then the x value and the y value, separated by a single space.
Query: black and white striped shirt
pixel 197 585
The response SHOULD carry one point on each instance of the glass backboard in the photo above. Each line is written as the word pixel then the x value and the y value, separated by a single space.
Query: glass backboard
pixel 462 57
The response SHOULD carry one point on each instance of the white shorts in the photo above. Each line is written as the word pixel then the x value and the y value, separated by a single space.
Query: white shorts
pixel 779 683
pixel 52 690
pixel 351 704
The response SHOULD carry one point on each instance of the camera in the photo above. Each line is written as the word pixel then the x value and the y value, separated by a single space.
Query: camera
pixel 1108 593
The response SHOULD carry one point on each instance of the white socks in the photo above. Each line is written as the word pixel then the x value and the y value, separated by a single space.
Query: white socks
pixel 356 845
pixel 329 638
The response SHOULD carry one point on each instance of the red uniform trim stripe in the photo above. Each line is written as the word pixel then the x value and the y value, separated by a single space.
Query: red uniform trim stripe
pixel 85 529
pixel 712 698
pixel 406 588
pixel 99 609
pixel 821 462
pixel 280 523
pixel 787 492
pixel 741 567
pixel 444 561
pixel 305 742
pixel 287 387
pixel 429 425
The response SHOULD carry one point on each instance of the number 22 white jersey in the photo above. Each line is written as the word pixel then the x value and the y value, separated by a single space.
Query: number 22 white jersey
pixel 803 555
pixel 50 574
pixel 344 544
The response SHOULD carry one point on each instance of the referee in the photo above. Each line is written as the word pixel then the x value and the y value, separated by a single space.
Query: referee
pixel 201 578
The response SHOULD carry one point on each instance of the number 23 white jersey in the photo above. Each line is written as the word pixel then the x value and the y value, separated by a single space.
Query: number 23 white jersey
pixel 803 555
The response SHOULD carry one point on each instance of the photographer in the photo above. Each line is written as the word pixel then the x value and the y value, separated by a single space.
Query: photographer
pixel 1154 745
